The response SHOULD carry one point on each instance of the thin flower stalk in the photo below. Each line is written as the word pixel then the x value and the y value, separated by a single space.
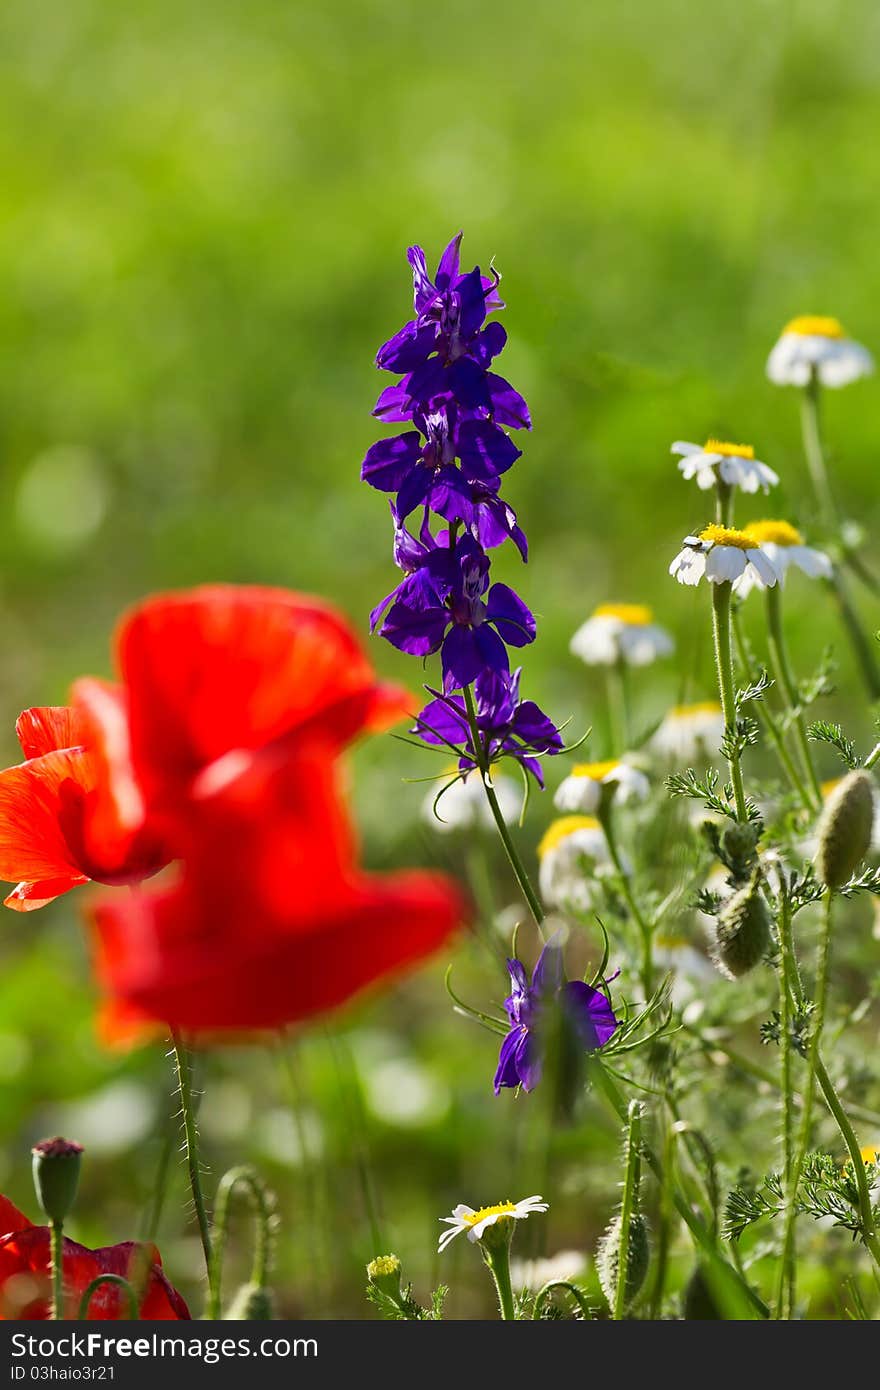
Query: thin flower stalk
pixel 721 594
pixel 788 684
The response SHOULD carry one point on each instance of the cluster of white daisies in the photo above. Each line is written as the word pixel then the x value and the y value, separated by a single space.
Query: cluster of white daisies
pixel 574 854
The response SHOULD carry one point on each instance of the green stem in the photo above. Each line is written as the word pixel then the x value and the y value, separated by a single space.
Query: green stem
pixel 183 1068
pixel 664 1221
pixel 866 1210
pixel 498 1263
pixel 628 1206
pixel 516 863
pixel 767 721
pixel 56 1254
pixel 815 454
pixel 872 756
pixel 606 820
pixel 787 990
pixel 617 691
pixel 863 650
pixel 263 1206
pixel 812 437
pixel 577 1294
pixel 724 664
pixel 785 678
pixel 723 503
pixel 786 1306
pixel 695 1224
pixel 134 1311
pixel 356 1119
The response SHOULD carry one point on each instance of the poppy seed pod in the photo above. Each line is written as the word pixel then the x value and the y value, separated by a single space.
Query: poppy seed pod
pixel 608 1258
pixel 252 1304
pixel 56 1176
pixel 742 935
pixel 844 829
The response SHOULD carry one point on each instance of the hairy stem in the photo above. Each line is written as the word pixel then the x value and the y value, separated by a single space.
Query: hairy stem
pixel 56 1255
pixel 628 1206
pixel 724 664
pixel 183 1069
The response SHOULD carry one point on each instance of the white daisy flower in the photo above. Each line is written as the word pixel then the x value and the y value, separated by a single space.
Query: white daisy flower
pixel 722 554
pixel 734 464
pixel 573 856
pixel 784 545
pixel 621 632
pixel 816 344
pixel 689 733
pixel 566 1267
pixel 582 789
pixel 465 807
pixel 476 1222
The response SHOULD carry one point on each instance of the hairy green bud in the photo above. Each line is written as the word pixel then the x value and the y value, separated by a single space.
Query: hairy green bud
pixel 738 842
pixel 608 1258
pixel 742 934
pixel 252 1304
pixel 844 828
pixel 56 1175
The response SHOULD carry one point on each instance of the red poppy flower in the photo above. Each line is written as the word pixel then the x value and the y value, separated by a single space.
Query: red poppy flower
pixel 45 807
pixel 211 677
pixel 272 920
pixel 25 1281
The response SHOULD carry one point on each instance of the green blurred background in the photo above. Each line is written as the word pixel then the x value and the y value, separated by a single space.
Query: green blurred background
pixel 205 214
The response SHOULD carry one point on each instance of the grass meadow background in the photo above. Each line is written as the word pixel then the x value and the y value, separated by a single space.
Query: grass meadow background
pixel 205 211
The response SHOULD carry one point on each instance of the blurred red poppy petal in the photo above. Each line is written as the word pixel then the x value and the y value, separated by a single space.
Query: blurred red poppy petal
pixel 224 667
pixel 152 953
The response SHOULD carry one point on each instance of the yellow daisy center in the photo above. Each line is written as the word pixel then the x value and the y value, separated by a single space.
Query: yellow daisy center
pixel 701 707
pixel 562 828
pixel 727 535
pixel 735 451
pixel 815 326
pixel 779 532
pixel 595 771
pixel 501 1209
pixel 827 788
pixel 870 1153
pixel 671 942
pixel 633 614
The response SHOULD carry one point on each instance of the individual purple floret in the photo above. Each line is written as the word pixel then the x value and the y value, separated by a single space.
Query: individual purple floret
pixel 441 607
pixel 508 726
pixel 586 1010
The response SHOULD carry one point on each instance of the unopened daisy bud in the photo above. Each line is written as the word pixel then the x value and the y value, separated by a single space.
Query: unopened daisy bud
pixel 56 1176
pixel 738 842
pixel 252 1303
pixel 844 829
pixel 742 935
pixel 384 1272
pixel 608 1258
